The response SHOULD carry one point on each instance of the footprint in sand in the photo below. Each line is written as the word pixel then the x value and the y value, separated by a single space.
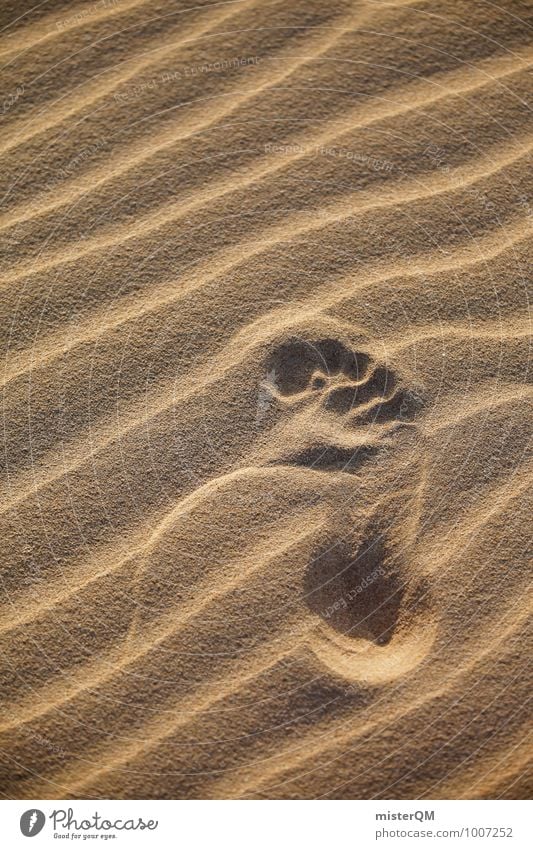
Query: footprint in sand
pixel 324 393
pixel 341 410
pixel 314 532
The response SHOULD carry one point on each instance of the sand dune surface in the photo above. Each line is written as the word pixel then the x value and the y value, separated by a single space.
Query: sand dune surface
pixel 265 524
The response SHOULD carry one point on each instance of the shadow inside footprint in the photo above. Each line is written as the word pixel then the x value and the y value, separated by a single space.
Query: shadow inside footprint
pixel 353 592
pixel 296 361
pixel 330 458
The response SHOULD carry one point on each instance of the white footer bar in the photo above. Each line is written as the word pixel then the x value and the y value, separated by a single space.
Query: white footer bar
pixel 266 824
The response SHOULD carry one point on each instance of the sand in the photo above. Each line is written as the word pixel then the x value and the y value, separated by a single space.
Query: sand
pixel 265 524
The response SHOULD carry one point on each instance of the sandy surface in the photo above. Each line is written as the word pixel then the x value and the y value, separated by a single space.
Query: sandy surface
pixel 266 499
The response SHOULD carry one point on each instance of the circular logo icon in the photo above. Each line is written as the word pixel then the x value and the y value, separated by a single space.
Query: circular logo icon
pixel 31 822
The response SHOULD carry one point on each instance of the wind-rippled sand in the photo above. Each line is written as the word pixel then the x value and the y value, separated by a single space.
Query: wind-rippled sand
pixel 266 512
